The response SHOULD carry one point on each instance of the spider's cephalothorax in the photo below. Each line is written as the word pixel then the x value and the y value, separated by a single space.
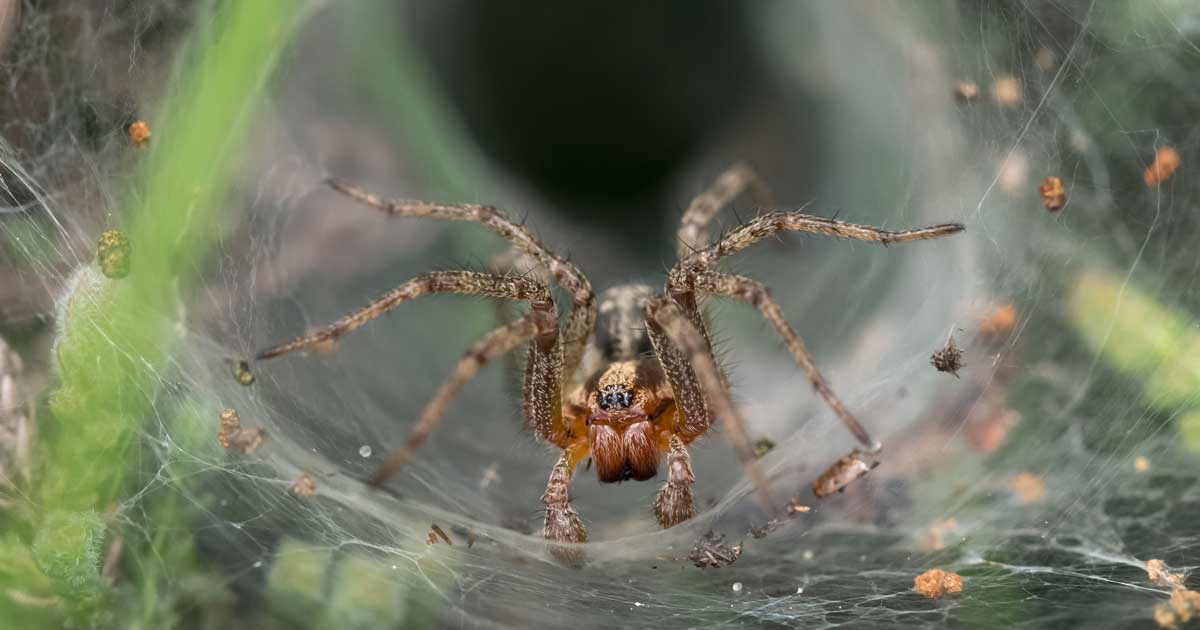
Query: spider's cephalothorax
pixel 636 383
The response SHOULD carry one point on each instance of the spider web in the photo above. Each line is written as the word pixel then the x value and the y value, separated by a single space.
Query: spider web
pixel 1062 460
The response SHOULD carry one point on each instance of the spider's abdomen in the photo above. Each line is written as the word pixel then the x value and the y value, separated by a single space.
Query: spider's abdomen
pixel 620 333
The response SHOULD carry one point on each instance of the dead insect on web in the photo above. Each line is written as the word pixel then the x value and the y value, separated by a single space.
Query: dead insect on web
pixel 241 371
pixel 304 486
pixel 233 436
pixel 1166 160
pixel 1054 194
pixel 948 359
pixel 139 134
pixel 842 473
pixel 436 533
pixel 711 551
pixel 937 582
pixel 762 446
pixel 112 253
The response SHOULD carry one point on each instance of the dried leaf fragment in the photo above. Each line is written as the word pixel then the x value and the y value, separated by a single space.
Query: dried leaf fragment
pixel 436 533
pixel 711 551
pixel 948 359
pixel 1166 160
pixel 936 582
pixel 304 486
pixel 1028 487
pixel 113 253
pixel 233 436
pixel 1054 194
pixel 139 134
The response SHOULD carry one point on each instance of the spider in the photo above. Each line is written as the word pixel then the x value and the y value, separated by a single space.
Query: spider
pixel 627 377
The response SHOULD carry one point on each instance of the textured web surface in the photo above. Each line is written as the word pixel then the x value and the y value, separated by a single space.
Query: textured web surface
pixel 1063 459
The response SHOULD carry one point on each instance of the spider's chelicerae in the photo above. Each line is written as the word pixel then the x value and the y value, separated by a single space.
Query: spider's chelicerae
pixel 633 376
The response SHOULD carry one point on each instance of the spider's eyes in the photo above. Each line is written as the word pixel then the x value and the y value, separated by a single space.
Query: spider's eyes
pixel 615 397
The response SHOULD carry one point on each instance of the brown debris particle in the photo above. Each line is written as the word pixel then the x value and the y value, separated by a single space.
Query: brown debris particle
pixel 113 253
pixel 936 582
pixel 762 446
pixel 1054 194
pixel 139 134
pixel 1028 486
pixel 1007 91
pixel 999 320
pixel 1161 574
pixel 842 473
pixel 711 551
pixel 304 486
pixel 795 507
pixel 966 91
pixel 233 436
pixel 436 533
pixel 1166 160
pixel 1180 609
pixel 241 372
pixel 948 359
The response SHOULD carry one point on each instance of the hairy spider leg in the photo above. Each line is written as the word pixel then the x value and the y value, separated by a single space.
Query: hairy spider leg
pixel 562 524
pixel 691 277
pixel 693 234
pixel 583 300
pixel 699 388
pixel 543 411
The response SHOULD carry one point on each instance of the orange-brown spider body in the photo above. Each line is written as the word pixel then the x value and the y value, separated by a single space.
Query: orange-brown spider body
pixel 626 416
pixel 627 377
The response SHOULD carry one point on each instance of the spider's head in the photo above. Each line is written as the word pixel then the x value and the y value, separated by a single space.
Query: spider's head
pixel 621 393
pixel 615 396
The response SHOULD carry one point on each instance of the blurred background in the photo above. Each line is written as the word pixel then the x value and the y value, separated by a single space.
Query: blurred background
pixel 1061 460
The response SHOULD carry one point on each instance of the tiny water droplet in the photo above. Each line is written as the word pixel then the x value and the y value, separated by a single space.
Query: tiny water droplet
pixel 737 587
pixel 364 451
pixel 257 564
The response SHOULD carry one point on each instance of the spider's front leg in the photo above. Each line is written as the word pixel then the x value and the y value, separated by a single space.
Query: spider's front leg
pixel 675 503
pixel 562 521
